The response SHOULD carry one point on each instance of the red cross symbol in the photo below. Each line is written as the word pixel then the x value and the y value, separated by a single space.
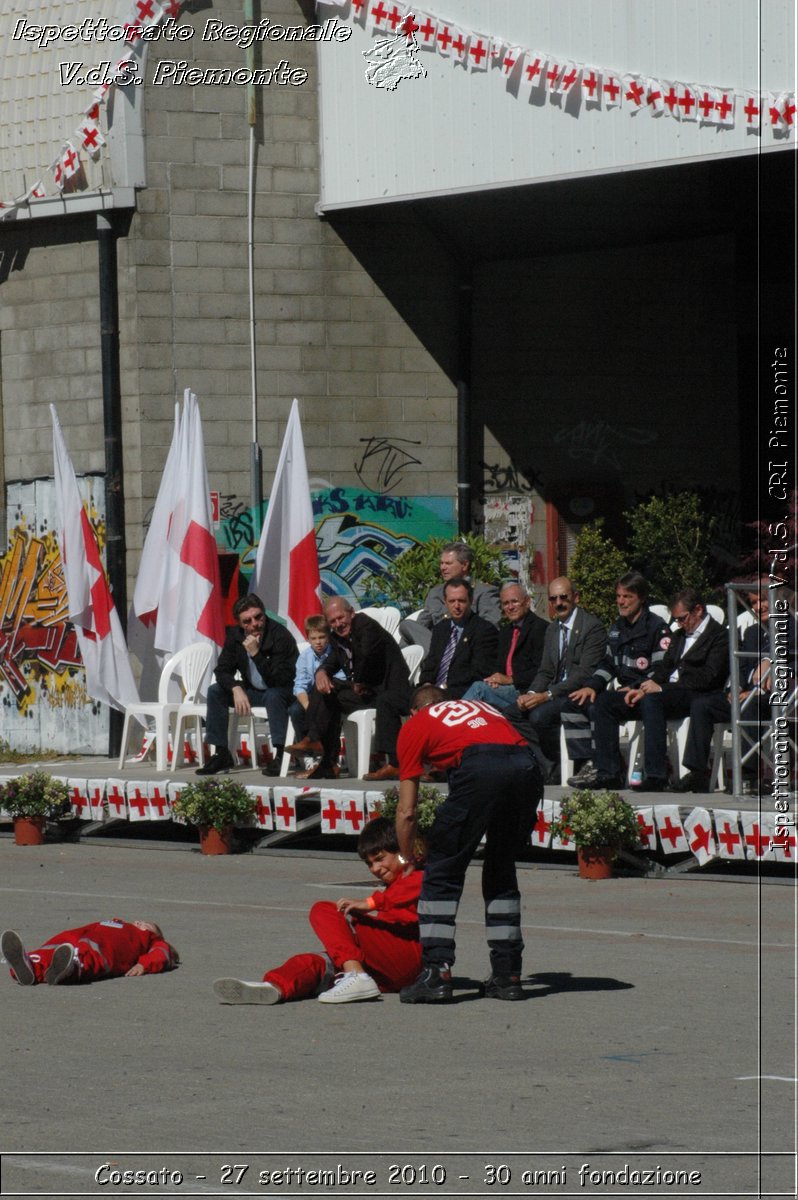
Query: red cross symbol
pixel 532 69
pixel 788 112
pixel 671 99
pixel 552 74
pixel 646 831
pixel 775 115
pixel 541 828
pixel 701 838
pixel 755 839
pixel 653 97
pixel 379 13
pixel 408 26
pixel 729 839
pixel 332 813
pixel 58 172
pixel 79 801
pixel 263 812
pixel 94 112
pixel 95 798
pixel 158 801
pixel 687 102
pixel 459 46
pixel 706 104
pixel 357 5
pixel 139 802
pixel 612 88
pixel 724 106
pixel 144 9
pixel 70 158
pixel 116 801
pixel 751 111
pixel 444 37
pixel 395 18
pixel 427 31
pixel 354 816
pixel 590 83
pixel 635 93
pixel 569 78
pixel 89 137
pixel 508 62
pixel 669 831
pixel 783 840
pixel 172 8
pixel 285 811
pixel 478 51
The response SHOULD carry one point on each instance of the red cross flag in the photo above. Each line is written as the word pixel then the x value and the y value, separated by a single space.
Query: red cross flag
pixel 91 608
pixel 37 192
pixel 611 89
pixel 541 830
pixel 634 92
pixel 79 798
pixel 758 830
pixel 147 13
pixel 342 811
pixel 138 800
pixel 426 32
pixel 478 52
pixel 724 107
pixel 553 73
pixel 459 47
pixel 591 86
pixel 688 103
pixel 512 61
pixel 670 97
pixel 784 842
pixel 707 100
pixel 727 832
pixel 284 801
pixel 90 137
pixel 115 798
pixel 670 828
pixel 377 19
pixel 160 808
pixel 700 838
pixel 496 51
pixel 263 809
pixel 569 78
pixel 70 161
pixel 96 795
pixel 646 828
pixel 752 111
pixel 286 575
pixel 655 101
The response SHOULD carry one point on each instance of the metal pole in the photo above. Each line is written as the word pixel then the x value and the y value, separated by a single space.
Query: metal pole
pixel 464 349
pixel 256 474
pixel 115 547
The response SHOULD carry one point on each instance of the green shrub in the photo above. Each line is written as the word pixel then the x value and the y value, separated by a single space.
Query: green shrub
pixel 429 801
pixel 670 543
pixel 595 819
pixel 595 567
pixel 416 571
pixel 35 795
pixel 216 803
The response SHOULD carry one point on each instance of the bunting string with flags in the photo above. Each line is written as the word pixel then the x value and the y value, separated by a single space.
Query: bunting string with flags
pixel 286 575
pixel 91 608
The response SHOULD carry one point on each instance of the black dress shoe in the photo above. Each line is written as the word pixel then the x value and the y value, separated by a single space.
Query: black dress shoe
pixel 433 986
pixel 604 783
pixel 693 781
pixel 221 761
pixel 651 783
pixel 503 987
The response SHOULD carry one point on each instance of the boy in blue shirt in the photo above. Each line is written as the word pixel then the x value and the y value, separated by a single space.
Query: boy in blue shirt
pixel 317 631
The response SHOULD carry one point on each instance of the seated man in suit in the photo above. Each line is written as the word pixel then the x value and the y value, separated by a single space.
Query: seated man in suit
pixel 697 660
pixel 572 649
pixel 455 563
pixel 519 651
pixel 376 676
pixel 712 708
pixel 263 653
pixel 463 647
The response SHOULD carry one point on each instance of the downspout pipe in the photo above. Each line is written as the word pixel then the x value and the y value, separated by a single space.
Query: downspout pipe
pixel 115 545
pixel 256 473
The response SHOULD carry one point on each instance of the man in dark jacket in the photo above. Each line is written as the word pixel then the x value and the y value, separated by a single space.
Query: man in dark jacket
pixel 519 651
pixel 463 647
pixel 263 654
pixel 376 677
pixel 697 660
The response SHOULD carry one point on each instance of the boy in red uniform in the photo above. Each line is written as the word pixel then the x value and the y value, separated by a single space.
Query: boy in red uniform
pixel 494 789
pixel 372 943
pixel 102 950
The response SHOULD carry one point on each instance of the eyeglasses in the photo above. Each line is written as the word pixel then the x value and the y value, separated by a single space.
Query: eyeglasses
pixel 559 596
pixel 681 620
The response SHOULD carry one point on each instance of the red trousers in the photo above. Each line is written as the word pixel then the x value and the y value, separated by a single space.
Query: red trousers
pixel 92 962
pixel 390 953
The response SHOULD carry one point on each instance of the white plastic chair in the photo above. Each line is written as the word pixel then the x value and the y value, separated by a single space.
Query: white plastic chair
pixel 414 657
pixel 189 666
pixel 717 613
pixel 676 743
pixel 362 721
pixel 388 617
pixel 744 621
pixel 662 611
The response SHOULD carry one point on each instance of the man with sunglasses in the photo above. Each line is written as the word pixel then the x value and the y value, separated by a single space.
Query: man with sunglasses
pixel 255 667
pixel 572 649
pixel 697 660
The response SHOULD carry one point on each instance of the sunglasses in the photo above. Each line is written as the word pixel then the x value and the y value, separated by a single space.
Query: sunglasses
pixel 559 596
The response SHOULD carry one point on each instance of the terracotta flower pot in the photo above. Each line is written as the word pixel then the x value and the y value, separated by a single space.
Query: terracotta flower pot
pixel 216 841
pixel 29 831
pixel 595 862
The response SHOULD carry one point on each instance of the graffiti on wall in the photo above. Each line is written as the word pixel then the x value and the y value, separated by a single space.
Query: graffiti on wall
pixel 383 462
pixel 43 698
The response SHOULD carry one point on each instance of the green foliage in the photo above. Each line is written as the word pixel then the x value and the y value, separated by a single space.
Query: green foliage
pixel 593 819
pixel 413 573
pixel 35 795
pixel 429 801
pixel 217 803
pixel 670 543
pixel 595 567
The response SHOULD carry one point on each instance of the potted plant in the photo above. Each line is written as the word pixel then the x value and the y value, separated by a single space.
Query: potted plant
pixel 215 805
pixel 599 824
pixel 429 801
pixel 31 799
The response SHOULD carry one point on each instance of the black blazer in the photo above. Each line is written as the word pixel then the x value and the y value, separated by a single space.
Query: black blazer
pixel 528 651
pixel 474 658
pixel 586 645
pixel 705 667
pixel 275 659
pixel 377 660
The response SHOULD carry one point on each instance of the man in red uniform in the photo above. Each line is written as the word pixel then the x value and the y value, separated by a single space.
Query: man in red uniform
pixel 494 789
pixel 102 950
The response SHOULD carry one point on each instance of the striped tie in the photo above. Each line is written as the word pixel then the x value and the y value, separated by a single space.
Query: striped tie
pixel 446 659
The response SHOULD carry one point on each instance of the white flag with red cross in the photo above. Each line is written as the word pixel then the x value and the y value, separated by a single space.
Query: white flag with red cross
pixel 591 86
pixel 511 61
pixel 173 790
pixel 569 79
pixel 264 818
pixel 541 830
pixel 138 800
pixel 611 89
pixel 553 73
pixel 90 137
pixel 359 11
pixel 670 98
pixel 783 842
pixel 160 808
pixel 171 9
pixel 533 72
pixel 700 838
pixel 479 51
pixel 752 111
pixel 354 809
pixel 332 810
pixel 377 17
pixel 707 100
pixel 670 828
pixel 95 789
pixel 91 608
pixel 79 798
pixel 496 52
pixel 773 111
pixel 688 102
pixel 725 108
pixel 147 13
pixel 560 842
pixel 426 34
pixel 655 98
pixel 634 93
pixel 116 801
pixel 284 801
pixel 727 833
pixel 646 829
pixel 758 830
pixel 458 51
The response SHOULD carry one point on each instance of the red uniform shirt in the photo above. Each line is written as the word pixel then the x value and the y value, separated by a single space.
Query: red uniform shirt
pixel 437 735
pixel 122 945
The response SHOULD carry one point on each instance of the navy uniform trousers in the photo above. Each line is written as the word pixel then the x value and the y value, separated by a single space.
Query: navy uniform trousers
pixel 495 792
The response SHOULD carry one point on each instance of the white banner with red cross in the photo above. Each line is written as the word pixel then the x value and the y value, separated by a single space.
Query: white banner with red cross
pixel 115 798
pixel 758 830
pixel 95 791
pixel 784 838
pixel 160 808
pixel 138 800
pixel 727 833
pixel 342 811
pixel 541 830
pixel 264 818
pixel 699 834
pixel 646 829
pixel 284 802
pixel 670 829
pixel 79 798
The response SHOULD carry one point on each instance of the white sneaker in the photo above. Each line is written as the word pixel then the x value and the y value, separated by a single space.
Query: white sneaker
pixel 351 985
pixel 239 991
pixel 17 958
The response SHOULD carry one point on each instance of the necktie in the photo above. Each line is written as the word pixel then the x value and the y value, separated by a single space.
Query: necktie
pixel 563 652
pixel 508 666
pixel 446 657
